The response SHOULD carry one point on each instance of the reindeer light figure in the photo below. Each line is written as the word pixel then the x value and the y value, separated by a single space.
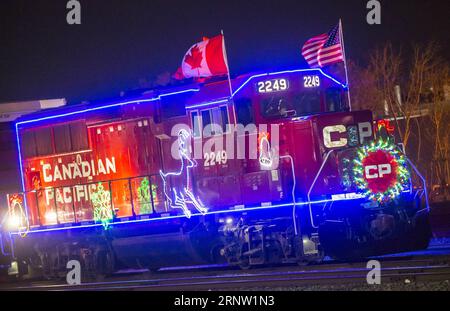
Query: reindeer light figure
pixel 265 151
pixel 182 197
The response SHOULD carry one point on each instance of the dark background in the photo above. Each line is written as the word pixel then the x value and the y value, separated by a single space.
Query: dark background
pixel 122 41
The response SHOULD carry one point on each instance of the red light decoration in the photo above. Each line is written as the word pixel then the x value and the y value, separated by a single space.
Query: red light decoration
pixel 387 125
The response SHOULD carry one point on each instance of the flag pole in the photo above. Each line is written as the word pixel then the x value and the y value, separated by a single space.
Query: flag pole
pixel 229 75
pixel 226 62
pixel 341 35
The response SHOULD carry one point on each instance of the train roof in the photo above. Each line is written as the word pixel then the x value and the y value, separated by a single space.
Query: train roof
pixel 196 94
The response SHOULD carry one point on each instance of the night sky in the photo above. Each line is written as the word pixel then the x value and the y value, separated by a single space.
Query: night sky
pixel 122 41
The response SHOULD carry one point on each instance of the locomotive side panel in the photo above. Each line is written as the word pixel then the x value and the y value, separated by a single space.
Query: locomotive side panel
pixel 81 156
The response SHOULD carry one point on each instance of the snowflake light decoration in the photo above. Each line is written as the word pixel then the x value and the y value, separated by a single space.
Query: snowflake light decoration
pixel 144 197
pixel 378 186
pixel 101 202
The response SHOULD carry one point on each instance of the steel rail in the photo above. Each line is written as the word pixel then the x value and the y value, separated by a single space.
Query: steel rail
pixel 335 273
pixel 252 281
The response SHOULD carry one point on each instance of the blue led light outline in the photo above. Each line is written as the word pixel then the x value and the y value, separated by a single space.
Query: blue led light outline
pixel 286 72
pixel 159 97
pixel 193 215
pixel 79 112
pixel 21 169
pixel 146 101
pixel 207 104
pixel 198 214
pixel 264 75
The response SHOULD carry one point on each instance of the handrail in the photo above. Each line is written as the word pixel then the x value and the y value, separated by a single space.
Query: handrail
pixel 128 180
pixel 425 191
pixel 89 183
pixel 313 185
pixel 294 185
pixel 424 183
pixel 2 245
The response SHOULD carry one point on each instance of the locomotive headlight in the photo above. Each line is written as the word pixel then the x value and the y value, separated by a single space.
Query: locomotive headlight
pixel 229 221
pixel 13 222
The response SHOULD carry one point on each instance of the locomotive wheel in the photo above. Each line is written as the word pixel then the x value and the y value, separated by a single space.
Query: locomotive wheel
pixel 244 261
pixel 105 264
pixel 48 272
pixel 245 264
pixel 22 269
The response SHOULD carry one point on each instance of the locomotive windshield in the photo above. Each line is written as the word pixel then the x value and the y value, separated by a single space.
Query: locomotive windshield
pixel 296 97
pixel 333 99
pixel 288 105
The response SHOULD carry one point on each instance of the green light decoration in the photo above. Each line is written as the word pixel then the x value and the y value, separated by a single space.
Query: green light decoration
pixel 154 192
pixel 101 202
pixel 369 177
pixel 144 198
pixel 346 167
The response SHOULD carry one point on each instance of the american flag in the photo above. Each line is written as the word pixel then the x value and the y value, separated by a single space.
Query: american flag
pixel 324 50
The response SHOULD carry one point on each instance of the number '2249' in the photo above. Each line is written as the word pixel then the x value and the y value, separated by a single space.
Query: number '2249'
pixel 214 158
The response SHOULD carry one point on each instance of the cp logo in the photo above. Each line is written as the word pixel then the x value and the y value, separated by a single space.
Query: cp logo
pixel 377 171
pixel 338 136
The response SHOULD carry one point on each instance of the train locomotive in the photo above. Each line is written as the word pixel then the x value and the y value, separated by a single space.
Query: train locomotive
pixel 261 169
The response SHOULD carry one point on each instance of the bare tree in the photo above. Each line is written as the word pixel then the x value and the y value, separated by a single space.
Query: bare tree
pixel 424 62
pixel 439 79
pixel 385 65
pixel 386 70
pixel 364 91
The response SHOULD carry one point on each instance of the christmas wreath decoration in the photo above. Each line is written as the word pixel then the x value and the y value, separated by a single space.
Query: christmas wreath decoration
pixel 380 171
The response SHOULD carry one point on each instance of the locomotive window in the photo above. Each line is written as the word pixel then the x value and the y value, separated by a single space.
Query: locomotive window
pixel 195 119
pixel 212 121
pixel 284 107
pixel 244 112
pixel 220 120
pixel 44 141
pixel 333 100
pixel 275 107
pixel 307 103
pixel 225 119
pixel 206 122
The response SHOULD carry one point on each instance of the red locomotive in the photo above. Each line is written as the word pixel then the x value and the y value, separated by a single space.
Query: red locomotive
pixel 271 168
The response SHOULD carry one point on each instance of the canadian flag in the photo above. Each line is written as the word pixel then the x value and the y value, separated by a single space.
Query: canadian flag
pixel 204 59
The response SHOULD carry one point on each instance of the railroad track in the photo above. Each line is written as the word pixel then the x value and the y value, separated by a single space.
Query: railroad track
pixel 393 270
